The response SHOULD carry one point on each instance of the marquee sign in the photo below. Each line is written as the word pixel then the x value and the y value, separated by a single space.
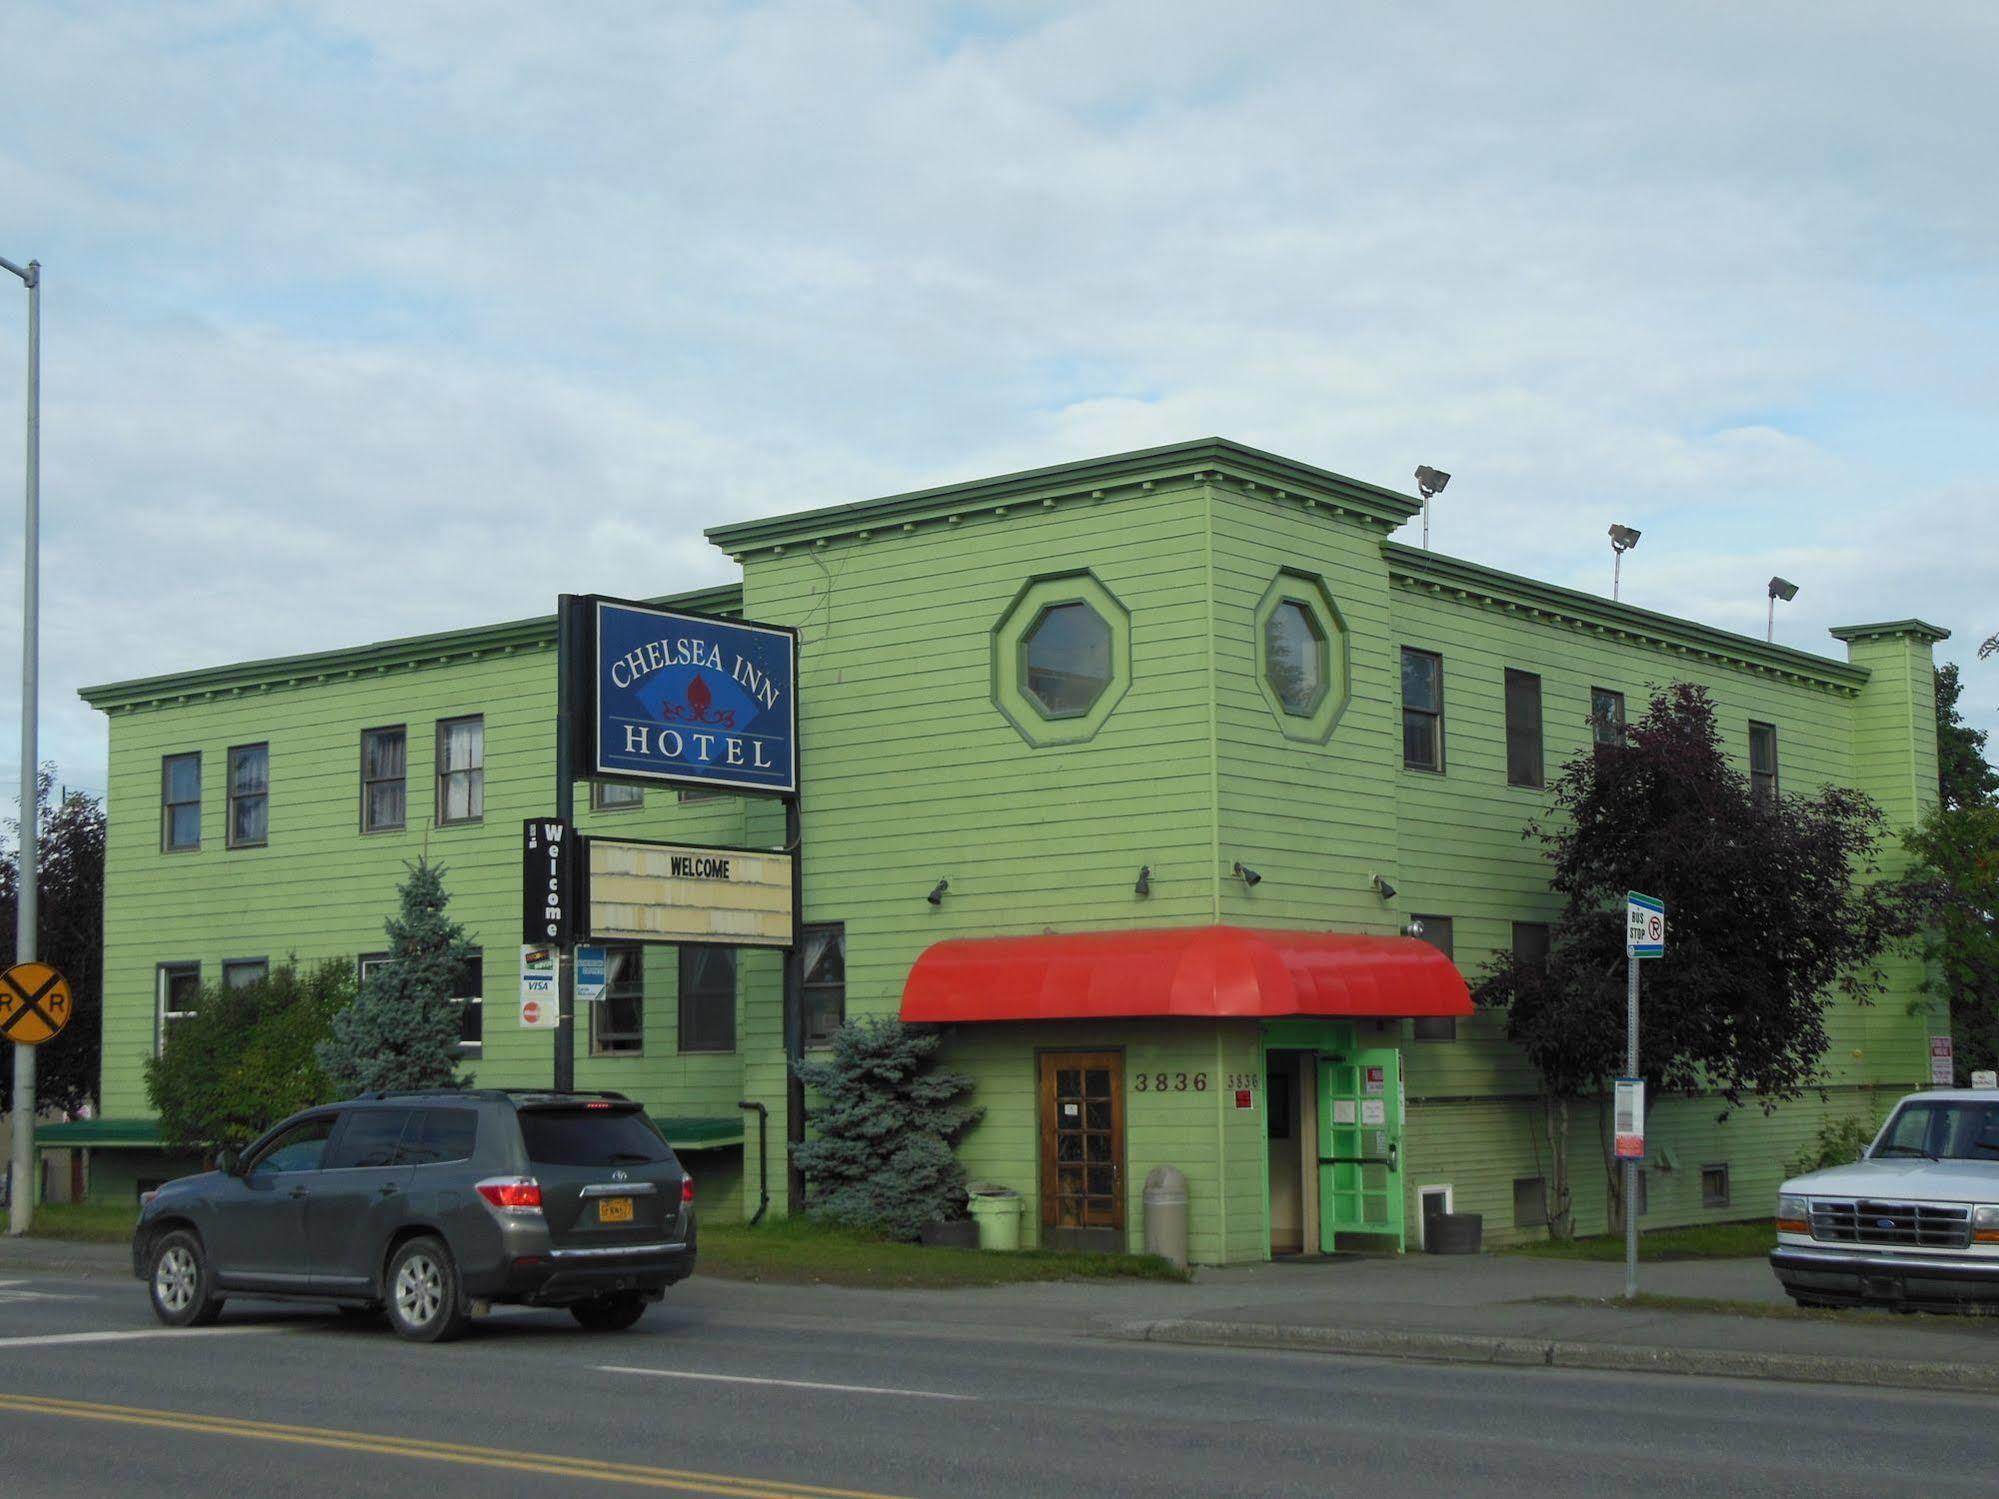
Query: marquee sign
pixel 670 892
pixel 684 698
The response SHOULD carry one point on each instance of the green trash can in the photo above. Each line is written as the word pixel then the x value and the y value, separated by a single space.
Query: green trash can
pixel 997 1212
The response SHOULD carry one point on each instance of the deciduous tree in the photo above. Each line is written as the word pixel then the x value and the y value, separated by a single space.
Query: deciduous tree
pixel 1772 914
pixel 69 883
pixel 246 1057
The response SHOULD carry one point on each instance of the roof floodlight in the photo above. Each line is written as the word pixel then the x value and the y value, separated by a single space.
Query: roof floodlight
pixel 1622 540
pixel 1430 483
pixel 1780 588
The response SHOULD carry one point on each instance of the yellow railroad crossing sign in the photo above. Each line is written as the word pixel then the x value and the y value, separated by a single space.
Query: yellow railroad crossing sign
pixel 35 1004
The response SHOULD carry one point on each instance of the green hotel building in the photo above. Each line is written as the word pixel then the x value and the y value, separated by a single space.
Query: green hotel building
pixel 1171 783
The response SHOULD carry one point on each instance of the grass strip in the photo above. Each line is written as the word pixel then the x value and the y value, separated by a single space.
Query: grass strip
pixel 802 1252
pixel 1699 1241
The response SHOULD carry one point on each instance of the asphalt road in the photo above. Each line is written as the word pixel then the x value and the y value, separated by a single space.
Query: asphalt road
pixel 709 1396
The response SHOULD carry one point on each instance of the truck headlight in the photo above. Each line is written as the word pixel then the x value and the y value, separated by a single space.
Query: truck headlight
pixel 1985 1224
pixel 1794 1216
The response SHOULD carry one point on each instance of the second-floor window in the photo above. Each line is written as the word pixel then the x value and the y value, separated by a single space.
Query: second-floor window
pixel 608 796
pixel 240 973
pixel 1606 715
pixel 461 769
pixel 249 795
pixel 180 802
pixel 1422 710
pixel 1763 763
pixel 384 778
pixel 1523 729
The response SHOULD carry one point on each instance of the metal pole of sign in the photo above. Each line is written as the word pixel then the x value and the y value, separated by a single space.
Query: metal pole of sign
pixel 565 813
pixel 1630 1165
pixel 21 1198
pixel 794 1013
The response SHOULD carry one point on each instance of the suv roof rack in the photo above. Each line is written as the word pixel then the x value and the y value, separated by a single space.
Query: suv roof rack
pixel 491 1095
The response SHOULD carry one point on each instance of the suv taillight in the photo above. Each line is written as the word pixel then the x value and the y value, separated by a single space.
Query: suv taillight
pixel 686 1190
pixel 511 1194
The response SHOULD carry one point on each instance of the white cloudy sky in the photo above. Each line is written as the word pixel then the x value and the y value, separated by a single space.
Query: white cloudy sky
pixel 366 319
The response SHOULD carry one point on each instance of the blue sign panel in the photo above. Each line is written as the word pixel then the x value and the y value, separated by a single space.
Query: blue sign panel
pixel 692 699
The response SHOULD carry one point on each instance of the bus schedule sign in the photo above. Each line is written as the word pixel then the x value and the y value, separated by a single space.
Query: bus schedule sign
pixel 686 699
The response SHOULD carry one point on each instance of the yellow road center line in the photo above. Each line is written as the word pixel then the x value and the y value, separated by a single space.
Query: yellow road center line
pixel 632 1474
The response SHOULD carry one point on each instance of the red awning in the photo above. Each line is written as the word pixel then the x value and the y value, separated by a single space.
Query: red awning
pixel 1215 972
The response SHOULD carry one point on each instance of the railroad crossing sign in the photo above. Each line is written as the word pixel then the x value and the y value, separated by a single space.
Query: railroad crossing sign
pixel 35 1004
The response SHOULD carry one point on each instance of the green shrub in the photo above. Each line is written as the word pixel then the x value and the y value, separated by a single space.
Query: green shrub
pixel 246 1057
pixel 1838 1143
pixel 883 1130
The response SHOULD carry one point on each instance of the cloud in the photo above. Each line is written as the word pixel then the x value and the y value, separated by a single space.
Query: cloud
pixel 356 311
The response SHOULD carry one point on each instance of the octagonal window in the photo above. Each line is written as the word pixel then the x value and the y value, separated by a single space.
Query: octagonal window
pixel 1066 659
pixel 1294 657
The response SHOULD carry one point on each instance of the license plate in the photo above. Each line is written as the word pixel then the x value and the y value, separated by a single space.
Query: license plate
pixel 614 1210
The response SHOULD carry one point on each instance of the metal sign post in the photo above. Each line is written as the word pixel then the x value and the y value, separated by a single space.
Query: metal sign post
pixel 1644 937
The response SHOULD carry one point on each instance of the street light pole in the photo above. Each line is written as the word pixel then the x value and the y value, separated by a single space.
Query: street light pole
pixel 21 1198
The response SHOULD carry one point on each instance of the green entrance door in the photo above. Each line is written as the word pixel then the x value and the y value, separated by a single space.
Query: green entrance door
pixel 1360 1144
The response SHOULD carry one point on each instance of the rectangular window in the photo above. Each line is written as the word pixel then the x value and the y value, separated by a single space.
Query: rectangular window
pixel 1422 710
pixel 249 795
pixel 1714 1186
pixel 1523 729
pixel 461 769
pixel 825 989
pixel 1530 1201
pixel 180 802
pixel 617 1025
pixel 471 1006
pixel 369 963
pixel 699 794
pixel 707 999
pixel 1530 943
pixel 1606 715
pixel 367 1137
pixel 609 796
pixel 1438 933
pixel 179 991
pixel 1763 763
pixel 384 778
pixel 238 973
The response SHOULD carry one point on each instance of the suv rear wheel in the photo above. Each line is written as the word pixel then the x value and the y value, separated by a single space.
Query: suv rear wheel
pixel 181 1283
pixel 424 1303
pixel 610 1313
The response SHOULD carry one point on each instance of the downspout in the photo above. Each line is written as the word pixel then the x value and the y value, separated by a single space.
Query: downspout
pixel 763 1159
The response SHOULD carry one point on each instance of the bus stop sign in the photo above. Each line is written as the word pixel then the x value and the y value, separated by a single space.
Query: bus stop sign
pixel 1644 926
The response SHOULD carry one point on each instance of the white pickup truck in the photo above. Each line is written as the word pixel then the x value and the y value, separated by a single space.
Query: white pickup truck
pixel 1913 1223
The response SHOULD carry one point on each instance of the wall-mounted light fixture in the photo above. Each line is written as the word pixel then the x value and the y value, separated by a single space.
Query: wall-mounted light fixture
pixel 1144 885
pixel 1779 589
pixel 1622 540
pixel 1381 887
pixel 1430 483
pixel 936 895
pixel 1247 875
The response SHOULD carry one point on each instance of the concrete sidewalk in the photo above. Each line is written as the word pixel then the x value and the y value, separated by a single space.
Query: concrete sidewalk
pixel 1491 1308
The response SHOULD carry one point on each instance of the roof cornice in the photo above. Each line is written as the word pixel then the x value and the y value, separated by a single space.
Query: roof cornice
pixel 1412 567
pixel 1918 629
pixel 444 648
pixel 1090 479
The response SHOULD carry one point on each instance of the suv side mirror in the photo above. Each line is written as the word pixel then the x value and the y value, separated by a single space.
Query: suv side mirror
pixel 227 1159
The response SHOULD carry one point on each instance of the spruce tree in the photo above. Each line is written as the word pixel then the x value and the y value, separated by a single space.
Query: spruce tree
pixel 401 1031
pixel 884 1127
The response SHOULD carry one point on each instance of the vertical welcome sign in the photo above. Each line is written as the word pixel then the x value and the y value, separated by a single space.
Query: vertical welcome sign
pixel 686 699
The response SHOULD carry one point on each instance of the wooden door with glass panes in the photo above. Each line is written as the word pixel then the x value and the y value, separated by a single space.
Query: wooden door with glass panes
pixel 1082 1144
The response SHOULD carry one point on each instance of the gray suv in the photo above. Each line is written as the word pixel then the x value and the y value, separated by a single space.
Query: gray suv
pixel 429 1206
